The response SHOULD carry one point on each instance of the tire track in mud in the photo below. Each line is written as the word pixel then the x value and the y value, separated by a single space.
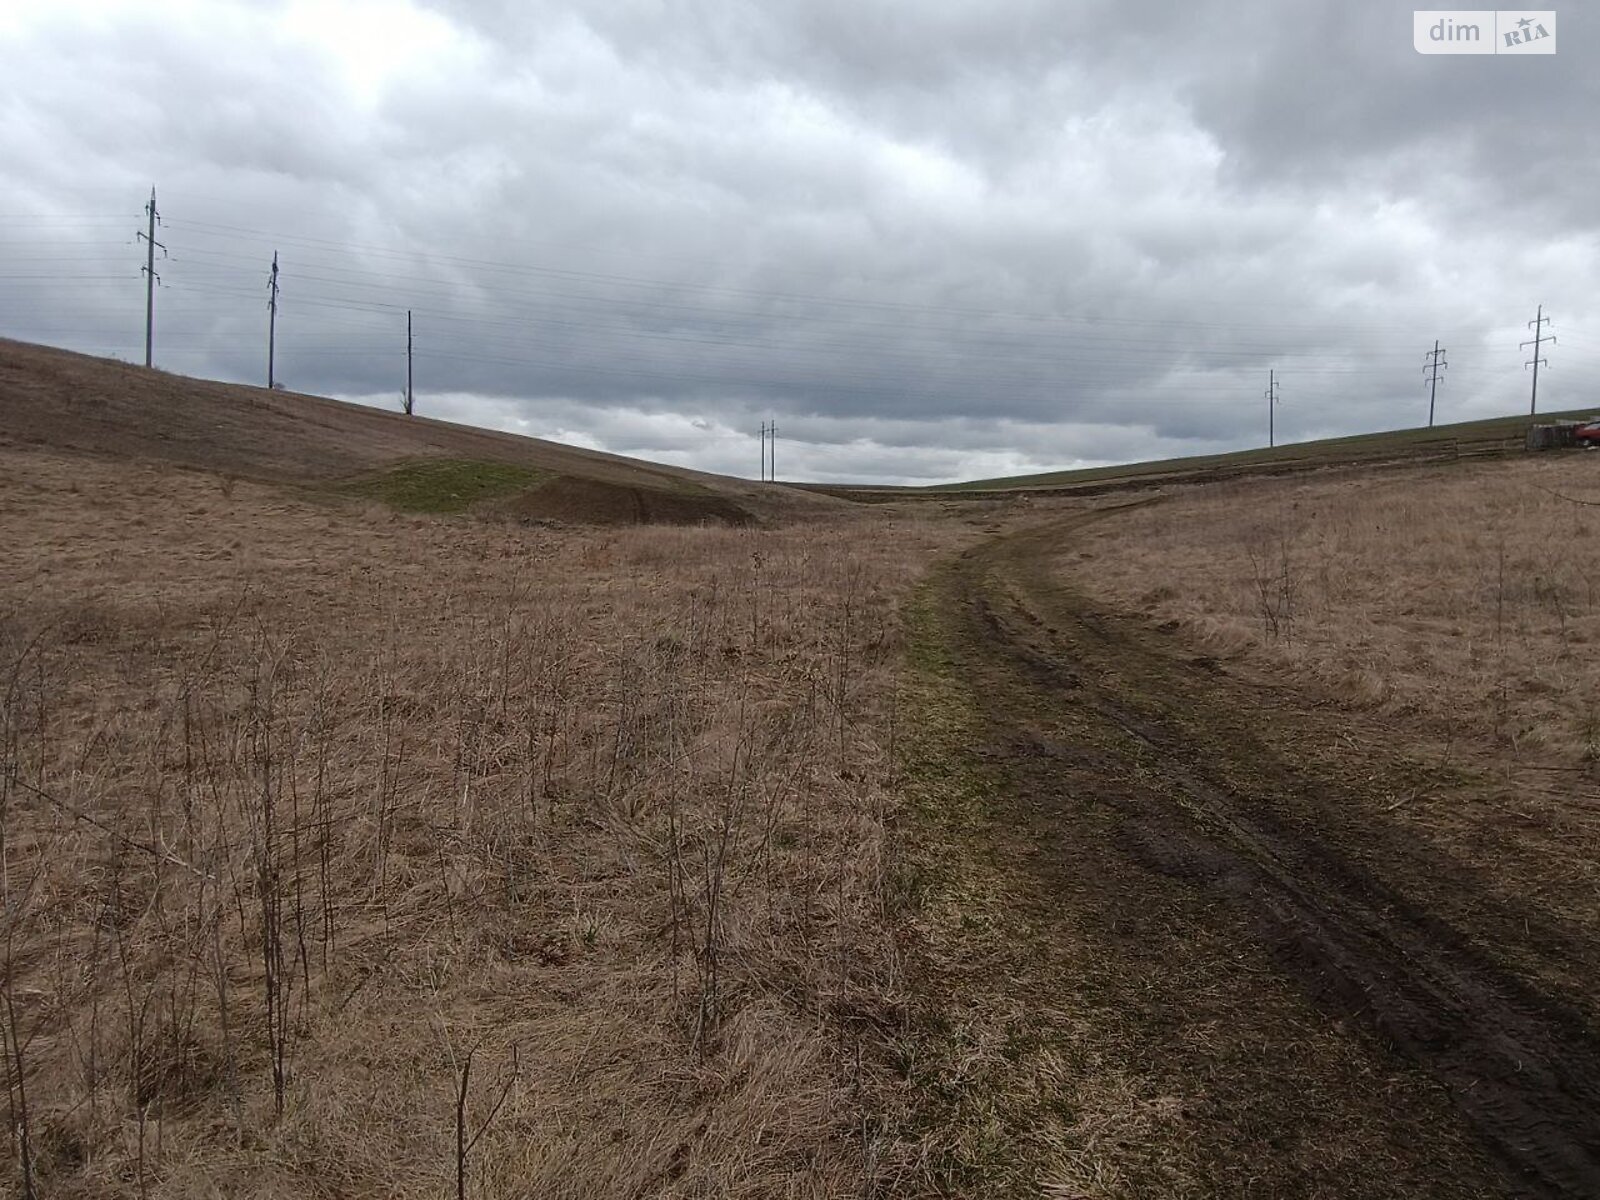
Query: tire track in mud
pixel 1522 1067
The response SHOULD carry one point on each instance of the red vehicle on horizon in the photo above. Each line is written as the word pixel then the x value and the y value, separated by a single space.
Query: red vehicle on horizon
pixel 1588 434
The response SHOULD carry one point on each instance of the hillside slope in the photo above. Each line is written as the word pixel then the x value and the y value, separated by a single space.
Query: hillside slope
pixel 67 401
pixel 1470 439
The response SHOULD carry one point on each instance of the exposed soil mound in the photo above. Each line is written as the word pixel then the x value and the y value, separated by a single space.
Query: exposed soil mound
pixel 594 502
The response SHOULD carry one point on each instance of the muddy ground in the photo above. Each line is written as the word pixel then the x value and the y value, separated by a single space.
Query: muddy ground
pixel 1167 945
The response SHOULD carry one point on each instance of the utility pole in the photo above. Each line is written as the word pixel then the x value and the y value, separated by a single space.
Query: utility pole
pixel 1436 364
pixel 272 318
pixel 150 276
pixel 763 451
pixel 1272 404
pixel 772 453
pixel 410 396
pixel 1539 338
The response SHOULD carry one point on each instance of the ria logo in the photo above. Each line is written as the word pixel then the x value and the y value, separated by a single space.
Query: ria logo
pixel 1528 31
pixel 1484 31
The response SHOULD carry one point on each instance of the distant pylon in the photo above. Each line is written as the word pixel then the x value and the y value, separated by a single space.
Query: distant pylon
pixel 272 319
pixel 150 276
pixel 1272 404
pixel 1539 338
pixel 410 395
pixel 1436 364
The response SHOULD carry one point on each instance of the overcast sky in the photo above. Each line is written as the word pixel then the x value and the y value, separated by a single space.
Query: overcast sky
pixel 932 239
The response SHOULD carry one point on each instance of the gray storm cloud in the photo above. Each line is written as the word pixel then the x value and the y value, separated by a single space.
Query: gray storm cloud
pixel 933 240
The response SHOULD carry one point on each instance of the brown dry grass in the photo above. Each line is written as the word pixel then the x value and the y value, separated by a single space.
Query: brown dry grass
pixel 1464 597
pixel 1443 622
pixel 60 400
pixel 304 805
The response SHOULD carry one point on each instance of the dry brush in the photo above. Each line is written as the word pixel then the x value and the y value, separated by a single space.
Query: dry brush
pixel 360 854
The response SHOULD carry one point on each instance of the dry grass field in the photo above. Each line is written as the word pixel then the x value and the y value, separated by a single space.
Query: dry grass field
pixel 389 808
pixel 1467 597
pixel 1443 621
pixel 1336 731
pixel 353 853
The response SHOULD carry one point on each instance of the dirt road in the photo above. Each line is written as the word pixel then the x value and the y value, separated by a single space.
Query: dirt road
pixel 1182 896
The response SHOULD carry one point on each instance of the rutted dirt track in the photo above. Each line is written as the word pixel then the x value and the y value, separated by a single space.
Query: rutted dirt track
pixel 1161 822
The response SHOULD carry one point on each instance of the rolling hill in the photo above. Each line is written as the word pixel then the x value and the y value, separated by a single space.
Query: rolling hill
pixel 1471 439
pixel 74 402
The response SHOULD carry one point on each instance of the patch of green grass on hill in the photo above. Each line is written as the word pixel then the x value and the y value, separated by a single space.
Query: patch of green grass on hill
pixel 443 485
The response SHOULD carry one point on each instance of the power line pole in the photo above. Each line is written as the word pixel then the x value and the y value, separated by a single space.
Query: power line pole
pixel 1272 404
pixel 763 451
pixel 150 276
pixel 272 318
pixel 1436 363
pixel 410 396
pixel 1539 338
pixel 772 454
